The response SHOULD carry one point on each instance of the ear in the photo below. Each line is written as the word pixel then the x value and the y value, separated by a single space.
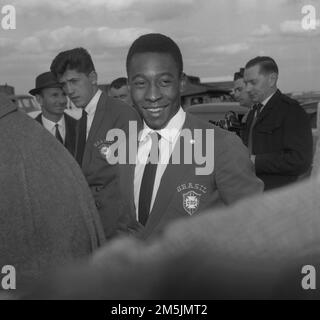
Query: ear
pixel 39 99
pixel 93 77
pixel 273 78
pixel 183 82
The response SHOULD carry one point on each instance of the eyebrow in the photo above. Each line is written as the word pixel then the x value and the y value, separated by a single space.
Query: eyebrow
pixel 160 75
pixel 73 78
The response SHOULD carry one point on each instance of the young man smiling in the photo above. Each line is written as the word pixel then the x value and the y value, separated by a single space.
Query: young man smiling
pixel 166 191
pixel 109 183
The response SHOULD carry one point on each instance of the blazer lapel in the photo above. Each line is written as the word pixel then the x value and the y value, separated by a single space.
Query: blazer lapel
pixel 39 118
pixel 247 128
pixel 70 134
pixel 268 107
pixel 97 120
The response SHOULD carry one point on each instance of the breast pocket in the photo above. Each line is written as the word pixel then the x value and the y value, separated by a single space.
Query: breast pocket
pixel 269 128
pixel 268 138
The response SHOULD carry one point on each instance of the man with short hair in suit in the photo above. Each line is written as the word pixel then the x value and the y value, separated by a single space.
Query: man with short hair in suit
pixel 109 185
pixel 278 132
pixel 178 184
pixel 53 102
pixel 119 90
pixel 240 93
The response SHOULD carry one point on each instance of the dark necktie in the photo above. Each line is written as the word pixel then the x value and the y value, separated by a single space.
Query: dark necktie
pixel 256 112
pixel 58 135
pixel 148 177
pixel 81 137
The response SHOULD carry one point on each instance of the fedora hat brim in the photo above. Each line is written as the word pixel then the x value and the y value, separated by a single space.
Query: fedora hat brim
pixel 35 91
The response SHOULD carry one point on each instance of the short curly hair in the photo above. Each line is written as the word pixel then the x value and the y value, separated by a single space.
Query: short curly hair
pixel 156 43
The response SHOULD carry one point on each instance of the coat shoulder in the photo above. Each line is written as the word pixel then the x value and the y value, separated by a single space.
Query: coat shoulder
pixel 120 108
pixel 288 101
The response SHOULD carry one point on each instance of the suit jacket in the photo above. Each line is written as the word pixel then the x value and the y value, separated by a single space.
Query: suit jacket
pixel 70 139
pixel 48 216
pixel 281 141
pixel 110 184
pixel 183 193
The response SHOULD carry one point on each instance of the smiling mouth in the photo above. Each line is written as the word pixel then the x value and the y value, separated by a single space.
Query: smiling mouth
pixel 155 110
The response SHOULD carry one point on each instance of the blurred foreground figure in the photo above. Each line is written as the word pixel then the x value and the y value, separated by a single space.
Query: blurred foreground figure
pixel 256 249
pixel 47 214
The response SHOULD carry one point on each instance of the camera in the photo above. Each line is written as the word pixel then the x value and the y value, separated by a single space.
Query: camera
pixel 230 123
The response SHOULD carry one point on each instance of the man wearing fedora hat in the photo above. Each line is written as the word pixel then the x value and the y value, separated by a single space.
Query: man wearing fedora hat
pixel 53 102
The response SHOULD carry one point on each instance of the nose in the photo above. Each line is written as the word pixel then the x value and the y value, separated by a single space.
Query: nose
pixel 63 100
pixel 248 87
pixel 153 93
pixel 68 89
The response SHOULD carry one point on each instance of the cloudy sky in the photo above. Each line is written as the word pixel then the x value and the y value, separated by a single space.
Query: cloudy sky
pixel 216 37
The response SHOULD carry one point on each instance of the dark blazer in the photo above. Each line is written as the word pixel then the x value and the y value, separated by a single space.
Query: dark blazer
pixel 70 140
pixel 281 141
pixel 233 178
pixel 110 183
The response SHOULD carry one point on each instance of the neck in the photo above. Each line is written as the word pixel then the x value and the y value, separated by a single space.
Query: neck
pixel 95 89
pixel 269 93
pixel 51 117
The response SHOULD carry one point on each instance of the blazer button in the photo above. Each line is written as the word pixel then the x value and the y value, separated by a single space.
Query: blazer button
pixel 99 188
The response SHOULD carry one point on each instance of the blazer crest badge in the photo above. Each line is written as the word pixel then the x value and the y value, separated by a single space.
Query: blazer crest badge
pixel 191 201
pixel 191 198
pixel 104 148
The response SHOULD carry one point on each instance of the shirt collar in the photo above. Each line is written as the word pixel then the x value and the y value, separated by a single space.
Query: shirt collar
pixel 170 132
pixel 92 105
pixel 50 123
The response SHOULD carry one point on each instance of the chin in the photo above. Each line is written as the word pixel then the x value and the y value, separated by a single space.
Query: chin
pixel 156 126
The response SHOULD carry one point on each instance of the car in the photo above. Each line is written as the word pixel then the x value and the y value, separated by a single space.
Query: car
pixel 227 115
pixel 216 111
pixel 25 103
pixel 31 107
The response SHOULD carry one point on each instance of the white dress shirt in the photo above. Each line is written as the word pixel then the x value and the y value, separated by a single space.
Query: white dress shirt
pixel 91 109
pixel 51 126
pixel 169 136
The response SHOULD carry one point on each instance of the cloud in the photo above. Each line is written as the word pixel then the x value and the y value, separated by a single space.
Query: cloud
pixel 6 42
pixel 263 31
pixel 229 49
pixel 294 28
pixel 99 39
pixel 150 9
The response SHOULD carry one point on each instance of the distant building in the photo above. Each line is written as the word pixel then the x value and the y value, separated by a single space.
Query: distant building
pixel 196 92
pixel 9 90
